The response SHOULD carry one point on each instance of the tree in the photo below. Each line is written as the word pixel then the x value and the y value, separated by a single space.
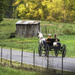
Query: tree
pixel 69 7
pixel 1 10
pixel 8 12
pixel 5 9
pixel 53 10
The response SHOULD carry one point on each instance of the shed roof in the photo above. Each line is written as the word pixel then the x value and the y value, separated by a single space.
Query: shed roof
pixel 27 22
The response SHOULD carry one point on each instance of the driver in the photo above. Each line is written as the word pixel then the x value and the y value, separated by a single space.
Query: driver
pixel 56 43
pixel 55 37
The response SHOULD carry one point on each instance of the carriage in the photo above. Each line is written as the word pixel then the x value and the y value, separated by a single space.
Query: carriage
pixel 50 47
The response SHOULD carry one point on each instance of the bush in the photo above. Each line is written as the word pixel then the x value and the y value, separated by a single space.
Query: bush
pixel 67 29
pixel 12 35
pixel 73 32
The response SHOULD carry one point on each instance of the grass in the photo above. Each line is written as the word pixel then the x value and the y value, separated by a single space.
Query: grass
pixel 16 69
pixel 29 44
pixel 69 41
pixel 11 71
pixel 8 26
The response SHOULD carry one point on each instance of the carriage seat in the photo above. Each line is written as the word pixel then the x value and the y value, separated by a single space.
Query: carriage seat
pixel 50 41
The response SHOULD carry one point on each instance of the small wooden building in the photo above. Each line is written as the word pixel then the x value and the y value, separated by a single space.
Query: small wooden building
pixel 27 28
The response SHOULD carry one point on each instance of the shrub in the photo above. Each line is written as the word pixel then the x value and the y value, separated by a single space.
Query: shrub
pixel 67 30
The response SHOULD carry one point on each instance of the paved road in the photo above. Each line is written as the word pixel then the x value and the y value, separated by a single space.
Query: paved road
pixel 54 62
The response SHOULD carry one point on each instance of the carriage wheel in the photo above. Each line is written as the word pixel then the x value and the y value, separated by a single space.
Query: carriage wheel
pixel 47 53
pixel 56 53
pixel 40 50
pixel 47 50
pixel 63 50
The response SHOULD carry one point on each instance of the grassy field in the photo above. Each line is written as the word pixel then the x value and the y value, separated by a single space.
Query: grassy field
pixel 67 37
pixel 11 71
pixel 6 70
pixel 8 26
pixel 30 44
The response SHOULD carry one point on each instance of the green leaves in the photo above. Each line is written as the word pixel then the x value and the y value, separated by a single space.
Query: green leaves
pixel 1 10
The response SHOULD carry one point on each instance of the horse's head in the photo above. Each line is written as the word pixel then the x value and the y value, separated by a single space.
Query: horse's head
pixel 40 35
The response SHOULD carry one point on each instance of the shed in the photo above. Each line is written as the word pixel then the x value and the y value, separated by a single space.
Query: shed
pixel 27 28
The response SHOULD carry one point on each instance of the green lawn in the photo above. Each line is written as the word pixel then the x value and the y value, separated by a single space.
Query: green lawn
pixel 5 70
pixel 8 26
pixel 69 41
pixel 11 71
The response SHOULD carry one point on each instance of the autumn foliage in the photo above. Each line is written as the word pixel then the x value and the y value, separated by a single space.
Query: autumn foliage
pixel 52 10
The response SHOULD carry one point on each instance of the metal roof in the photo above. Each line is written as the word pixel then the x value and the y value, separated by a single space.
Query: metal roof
pixel 27 22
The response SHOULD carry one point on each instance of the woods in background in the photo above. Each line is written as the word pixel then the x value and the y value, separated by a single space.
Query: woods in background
pixel 52 10
pixel 1 10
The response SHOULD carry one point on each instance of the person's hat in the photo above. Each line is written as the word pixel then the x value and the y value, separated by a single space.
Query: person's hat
pixel 54 34
pixel 49 34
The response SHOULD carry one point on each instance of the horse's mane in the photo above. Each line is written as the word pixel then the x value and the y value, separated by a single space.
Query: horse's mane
pixel 40 35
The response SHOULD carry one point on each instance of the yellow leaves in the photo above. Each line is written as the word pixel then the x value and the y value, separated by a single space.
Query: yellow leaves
pixel 26 4
pixel 49 6
pixel 45 9
pixel 32 5
pixel 35 14
pixel 50 18
pixel 28 15
pixel 54 4
pixel 74 5
pixel 16 3
pixel 45 2
pixel 21 8
pixel 40 11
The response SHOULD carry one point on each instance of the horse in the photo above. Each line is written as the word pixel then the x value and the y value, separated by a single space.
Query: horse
pixel 41 38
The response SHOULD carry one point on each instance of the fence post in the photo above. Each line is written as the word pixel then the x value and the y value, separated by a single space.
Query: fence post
pixel 22 58
pixel 1 54
pixel 47 61
pixel 10 56
pixel 62 62
pixel 53 31
pixel 34 58
pixel 46 30
pixel 60 31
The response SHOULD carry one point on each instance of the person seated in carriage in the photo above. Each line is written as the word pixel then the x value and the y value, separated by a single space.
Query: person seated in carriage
pixel 52 41
pixel 56 43
pixel 49 37
pixel 46 40
pixel 55 37
pixel 49 40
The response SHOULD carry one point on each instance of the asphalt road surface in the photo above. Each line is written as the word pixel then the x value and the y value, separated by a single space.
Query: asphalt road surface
pixel 54 62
